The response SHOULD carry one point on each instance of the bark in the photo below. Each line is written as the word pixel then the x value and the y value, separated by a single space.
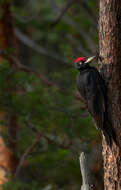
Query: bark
pixel 110 65
pixel 7 41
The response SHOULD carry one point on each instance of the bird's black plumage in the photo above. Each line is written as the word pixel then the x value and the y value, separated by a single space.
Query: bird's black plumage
pixel 91 87
pixel 93 92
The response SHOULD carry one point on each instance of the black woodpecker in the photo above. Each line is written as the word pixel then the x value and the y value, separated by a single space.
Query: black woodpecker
pixel 92 89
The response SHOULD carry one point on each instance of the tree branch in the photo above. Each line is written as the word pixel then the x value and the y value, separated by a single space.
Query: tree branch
pixel 63 11
pixel 70 22
pixel 13 60
pixel 65 8
pixel 27 152
pixel 33 45
pixel 49 138
pixel 44 79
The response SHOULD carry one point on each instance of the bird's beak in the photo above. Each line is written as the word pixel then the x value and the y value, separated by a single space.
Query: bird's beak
pixel 90 59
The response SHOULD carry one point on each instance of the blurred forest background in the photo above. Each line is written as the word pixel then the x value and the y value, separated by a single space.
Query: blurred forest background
pixel 53 124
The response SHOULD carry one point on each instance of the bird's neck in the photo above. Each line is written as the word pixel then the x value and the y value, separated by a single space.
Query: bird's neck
pixel 84 67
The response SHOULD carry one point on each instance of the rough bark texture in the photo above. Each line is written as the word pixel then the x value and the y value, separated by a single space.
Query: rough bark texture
pixel 110 65
pixel 7 41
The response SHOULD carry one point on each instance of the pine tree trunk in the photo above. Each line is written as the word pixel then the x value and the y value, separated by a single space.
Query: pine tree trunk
pixel 110 65
pixel 7 41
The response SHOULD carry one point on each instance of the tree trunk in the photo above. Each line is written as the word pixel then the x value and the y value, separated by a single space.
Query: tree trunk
pixel 110 66
pixel 7 42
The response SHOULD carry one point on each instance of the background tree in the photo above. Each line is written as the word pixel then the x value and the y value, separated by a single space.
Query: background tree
pixel 7 44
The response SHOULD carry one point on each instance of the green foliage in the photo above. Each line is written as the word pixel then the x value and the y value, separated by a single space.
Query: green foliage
pixel 53 110
pixel 18 185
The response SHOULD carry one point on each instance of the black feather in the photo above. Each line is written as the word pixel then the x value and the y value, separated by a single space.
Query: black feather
pixel 93 91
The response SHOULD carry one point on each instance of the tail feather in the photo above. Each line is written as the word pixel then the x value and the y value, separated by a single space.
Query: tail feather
pixel 107 138
pixel 109 133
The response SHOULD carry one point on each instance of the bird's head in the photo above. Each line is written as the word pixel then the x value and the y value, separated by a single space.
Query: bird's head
pixel 82 61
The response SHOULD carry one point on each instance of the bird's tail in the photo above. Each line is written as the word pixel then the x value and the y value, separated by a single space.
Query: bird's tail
pixel 109 133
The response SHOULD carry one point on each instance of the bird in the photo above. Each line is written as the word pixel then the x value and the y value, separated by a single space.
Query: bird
pixel 92 89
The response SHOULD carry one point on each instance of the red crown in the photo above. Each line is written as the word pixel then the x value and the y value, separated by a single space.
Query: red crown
pixel 79 59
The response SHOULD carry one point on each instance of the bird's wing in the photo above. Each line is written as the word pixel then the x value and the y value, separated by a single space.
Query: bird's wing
pixel 96 97
pixel 91 87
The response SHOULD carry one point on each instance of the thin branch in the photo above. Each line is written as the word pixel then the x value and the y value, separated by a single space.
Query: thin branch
pixel 24 68
pixel 65 8
pixel 19 66
pixel 63 11
pixel 70 22
pixel 25 155
pixel 49 138
pixel 33 45
pixel 13 60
